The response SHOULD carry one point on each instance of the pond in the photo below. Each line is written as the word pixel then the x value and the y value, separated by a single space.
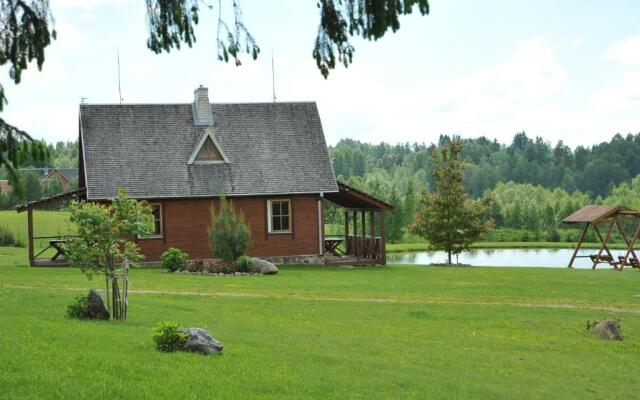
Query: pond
pixel 553 258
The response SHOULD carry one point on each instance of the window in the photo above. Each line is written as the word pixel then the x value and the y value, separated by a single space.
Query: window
pixel 156 211
pixel 209 152
pixel 279 216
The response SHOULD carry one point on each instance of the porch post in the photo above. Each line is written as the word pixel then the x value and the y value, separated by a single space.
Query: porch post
pixel 30 234
pixel 346 230
pixel 355 233
pixel 383 239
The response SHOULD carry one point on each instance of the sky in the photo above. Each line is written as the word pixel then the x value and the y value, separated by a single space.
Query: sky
pixel 561 70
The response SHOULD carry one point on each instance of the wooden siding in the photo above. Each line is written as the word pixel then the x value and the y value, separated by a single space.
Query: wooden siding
pixel 186 221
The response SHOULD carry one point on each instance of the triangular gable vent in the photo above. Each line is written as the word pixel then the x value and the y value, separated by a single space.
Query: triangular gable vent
pixel 208 151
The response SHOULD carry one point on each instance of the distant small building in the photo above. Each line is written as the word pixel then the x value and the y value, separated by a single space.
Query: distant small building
pixel 66 176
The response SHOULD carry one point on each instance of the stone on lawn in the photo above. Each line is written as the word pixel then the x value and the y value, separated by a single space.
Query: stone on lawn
pixel 200 341
pixel 95 306
pixel 608 330
pixel 264 266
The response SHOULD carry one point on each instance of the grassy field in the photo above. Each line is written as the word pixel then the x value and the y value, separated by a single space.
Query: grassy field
pixel 315 332
pixel 45 223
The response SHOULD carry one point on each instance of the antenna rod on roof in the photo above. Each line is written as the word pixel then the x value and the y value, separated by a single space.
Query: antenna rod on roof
pixel 273 77
pixel 119 89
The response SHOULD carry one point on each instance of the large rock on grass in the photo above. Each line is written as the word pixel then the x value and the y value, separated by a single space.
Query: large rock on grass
pixel 96 309
pixel 200 341
pixel 264 267
pixel 608 330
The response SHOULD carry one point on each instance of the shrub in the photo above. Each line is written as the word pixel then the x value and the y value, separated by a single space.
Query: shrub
pixel 168 337
pixel 174 259
pixel 229 235
pixel 79 309
pixel 245 264
pixel 553 235
pixel 6 237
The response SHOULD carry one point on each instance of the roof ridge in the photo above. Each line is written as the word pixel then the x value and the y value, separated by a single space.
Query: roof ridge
pixel 189 104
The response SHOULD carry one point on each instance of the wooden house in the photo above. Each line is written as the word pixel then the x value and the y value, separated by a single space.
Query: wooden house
pixel 270 159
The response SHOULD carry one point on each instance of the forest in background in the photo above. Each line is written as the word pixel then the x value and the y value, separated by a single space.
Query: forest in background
pixel 535 184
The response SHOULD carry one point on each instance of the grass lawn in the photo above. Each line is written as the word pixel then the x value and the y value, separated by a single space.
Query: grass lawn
pixel 314 332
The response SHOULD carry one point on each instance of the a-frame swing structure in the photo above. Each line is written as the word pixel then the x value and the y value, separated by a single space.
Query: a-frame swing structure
pixel 597 216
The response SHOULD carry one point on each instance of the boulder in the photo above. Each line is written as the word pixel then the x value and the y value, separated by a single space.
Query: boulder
pixel 96 309
pixel 264 267
pixel 200 341
pixel 608 330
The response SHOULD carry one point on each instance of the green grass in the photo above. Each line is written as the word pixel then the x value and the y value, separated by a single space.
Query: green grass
pixel 393 332
pixel 45 223
pixel 400 247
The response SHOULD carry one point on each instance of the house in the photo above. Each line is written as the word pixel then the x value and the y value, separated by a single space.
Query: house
pixel 270 159
pixel 66 176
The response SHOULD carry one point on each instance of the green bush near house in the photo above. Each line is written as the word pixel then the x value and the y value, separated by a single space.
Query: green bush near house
pixel 174 259
pixel 229 234
pixel 245 264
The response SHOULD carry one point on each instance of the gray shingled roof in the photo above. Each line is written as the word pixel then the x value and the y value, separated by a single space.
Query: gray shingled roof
pixel 273 148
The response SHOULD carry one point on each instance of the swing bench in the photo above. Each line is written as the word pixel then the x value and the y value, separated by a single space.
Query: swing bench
pixel 612 217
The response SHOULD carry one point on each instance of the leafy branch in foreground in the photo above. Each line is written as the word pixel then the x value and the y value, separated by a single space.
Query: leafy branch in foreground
pixel 171 23
pixel 24 34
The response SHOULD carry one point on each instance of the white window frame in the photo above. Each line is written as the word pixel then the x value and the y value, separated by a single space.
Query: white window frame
pixel 155 235
pixel 270 216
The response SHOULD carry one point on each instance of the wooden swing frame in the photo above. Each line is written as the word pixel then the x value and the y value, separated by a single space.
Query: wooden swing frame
pixel 611 217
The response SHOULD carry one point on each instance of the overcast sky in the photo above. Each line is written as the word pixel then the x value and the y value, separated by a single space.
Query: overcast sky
pixel 563 70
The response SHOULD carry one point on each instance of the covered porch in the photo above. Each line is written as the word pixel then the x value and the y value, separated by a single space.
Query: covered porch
pixel 51 251
pixel 363 241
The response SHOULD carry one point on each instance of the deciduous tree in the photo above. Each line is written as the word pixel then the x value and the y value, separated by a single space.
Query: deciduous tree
pixel 104 243
pixel 447 218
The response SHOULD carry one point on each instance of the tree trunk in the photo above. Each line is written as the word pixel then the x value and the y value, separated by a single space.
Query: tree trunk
pixel 449 256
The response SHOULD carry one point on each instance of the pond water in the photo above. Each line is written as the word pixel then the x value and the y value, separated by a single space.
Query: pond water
pixel 553 258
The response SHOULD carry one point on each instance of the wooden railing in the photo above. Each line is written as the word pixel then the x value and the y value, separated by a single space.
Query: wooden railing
pixel 365 247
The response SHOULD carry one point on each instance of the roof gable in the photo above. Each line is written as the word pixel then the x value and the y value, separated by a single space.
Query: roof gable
pixel 208 150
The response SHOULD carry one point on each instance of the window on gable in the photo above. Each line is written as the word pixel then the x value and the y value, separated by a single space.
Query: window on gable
pixel 209 152
pixel 279 216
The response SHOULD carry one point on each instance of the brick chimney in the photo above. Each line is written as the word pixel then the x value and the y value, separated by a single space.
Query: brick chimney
pixel 201 107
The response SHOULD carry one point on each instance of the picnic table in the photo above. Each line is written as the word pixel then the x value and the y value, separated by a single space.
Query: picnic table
pixel 58 245
pixel 331 244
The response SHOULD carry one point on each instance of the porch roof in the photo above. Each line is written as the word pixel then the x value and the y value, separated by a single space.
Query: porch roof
pixel 350 197
pixel 73 194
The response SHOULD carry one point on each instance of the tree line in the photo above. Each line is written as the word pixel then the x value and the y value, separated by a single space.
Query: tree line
pixel 535 184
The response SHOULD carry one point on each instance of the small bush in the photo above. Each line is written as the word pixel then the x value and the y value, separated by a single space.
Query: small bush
pixel 229 235
pixel 245 264
pixel 79 309
pixel 553 235
pixel 6 237
pixel 174 259
pixel 168 337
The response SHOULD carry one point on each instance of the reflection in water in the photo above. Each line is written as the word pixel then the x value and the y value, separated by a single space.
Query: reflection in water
pixel 556 258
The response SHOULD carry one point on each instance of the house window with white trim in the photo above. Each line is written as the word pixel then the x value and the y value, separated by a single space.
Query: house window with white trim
pixel 279 216
pixel 156 212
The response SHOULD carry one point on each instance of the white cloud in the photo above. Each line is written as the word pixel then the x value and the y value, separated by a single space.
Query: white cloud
pixel 496 100
pixel 626 51
pixel 576 41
